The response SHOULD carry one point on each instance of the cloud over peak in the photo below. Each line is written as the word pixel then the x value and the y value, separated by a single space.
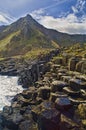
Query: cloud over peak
pixel 70 23
pixel 5 18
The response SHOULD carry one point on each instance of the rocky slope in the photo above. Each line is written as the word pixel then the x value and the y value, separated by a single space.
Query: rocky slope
pixel 56 100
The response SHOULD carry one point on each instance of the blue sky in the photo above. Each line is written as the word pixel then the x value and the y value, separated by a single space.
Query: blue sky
pixel 67 16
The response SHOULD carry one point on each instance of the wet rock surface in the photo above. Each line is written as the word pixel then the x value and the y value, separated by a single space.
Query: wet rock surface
pixel 52 100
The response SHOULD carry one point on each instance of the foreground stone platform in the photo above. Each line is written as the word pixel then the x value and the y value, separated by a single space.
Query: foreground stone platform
pixel 52 100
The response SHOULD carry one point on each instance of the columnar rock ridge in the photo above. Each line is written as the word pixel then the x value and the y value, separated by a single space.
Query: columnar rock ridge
pixel 55 98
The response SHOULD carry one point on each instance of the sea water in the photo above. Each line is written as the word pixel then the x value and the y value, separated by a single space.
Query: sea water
pixel 8 89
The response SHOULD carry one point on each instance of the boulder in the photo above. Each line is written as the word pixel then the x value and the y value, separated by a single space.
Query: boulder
pixel 48 74
pixel 62 70
pixel 63 103
pixel 39 84
pixel 46 81
pixel 27 94
pixel 68 124
pixel 77 84
pixel 7 110
pixel 46 116
pixel 10 125
pixel 54 96
pixel 77 101
pixel 73 73
pixel 12 118
pixel 66 78
pixel 70 92
pixel 72 63
pixel 57 85
pixel 49 120
pixel 54 75
pixel 57 60
pixel 39 100
pixel 83 93
pixel 55 67
pixel 12 121
pixel 44 92
pixel 65 59
pixel 28 125
pixel 38 109
pixel 79 66
pixel 59 75
pixel 83 69
pixel 82 110
pixel 81 77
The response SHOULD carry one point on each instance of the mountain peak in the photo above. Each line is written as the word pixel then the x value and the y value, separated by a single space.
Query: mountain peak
pixel 27 34
pixel 28 16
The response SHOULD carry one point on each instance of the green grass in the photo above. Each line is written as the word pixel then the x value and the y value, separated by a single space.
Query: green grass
pixel 5 41
pixel 36 53
pixel 76 50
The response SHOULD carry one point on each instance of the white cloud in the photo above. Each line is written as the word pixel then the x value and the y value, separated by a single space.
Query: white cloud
pixel 37 14
pixel 80 5
pixel 75 10
pixel 67 24
pixel 5 18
